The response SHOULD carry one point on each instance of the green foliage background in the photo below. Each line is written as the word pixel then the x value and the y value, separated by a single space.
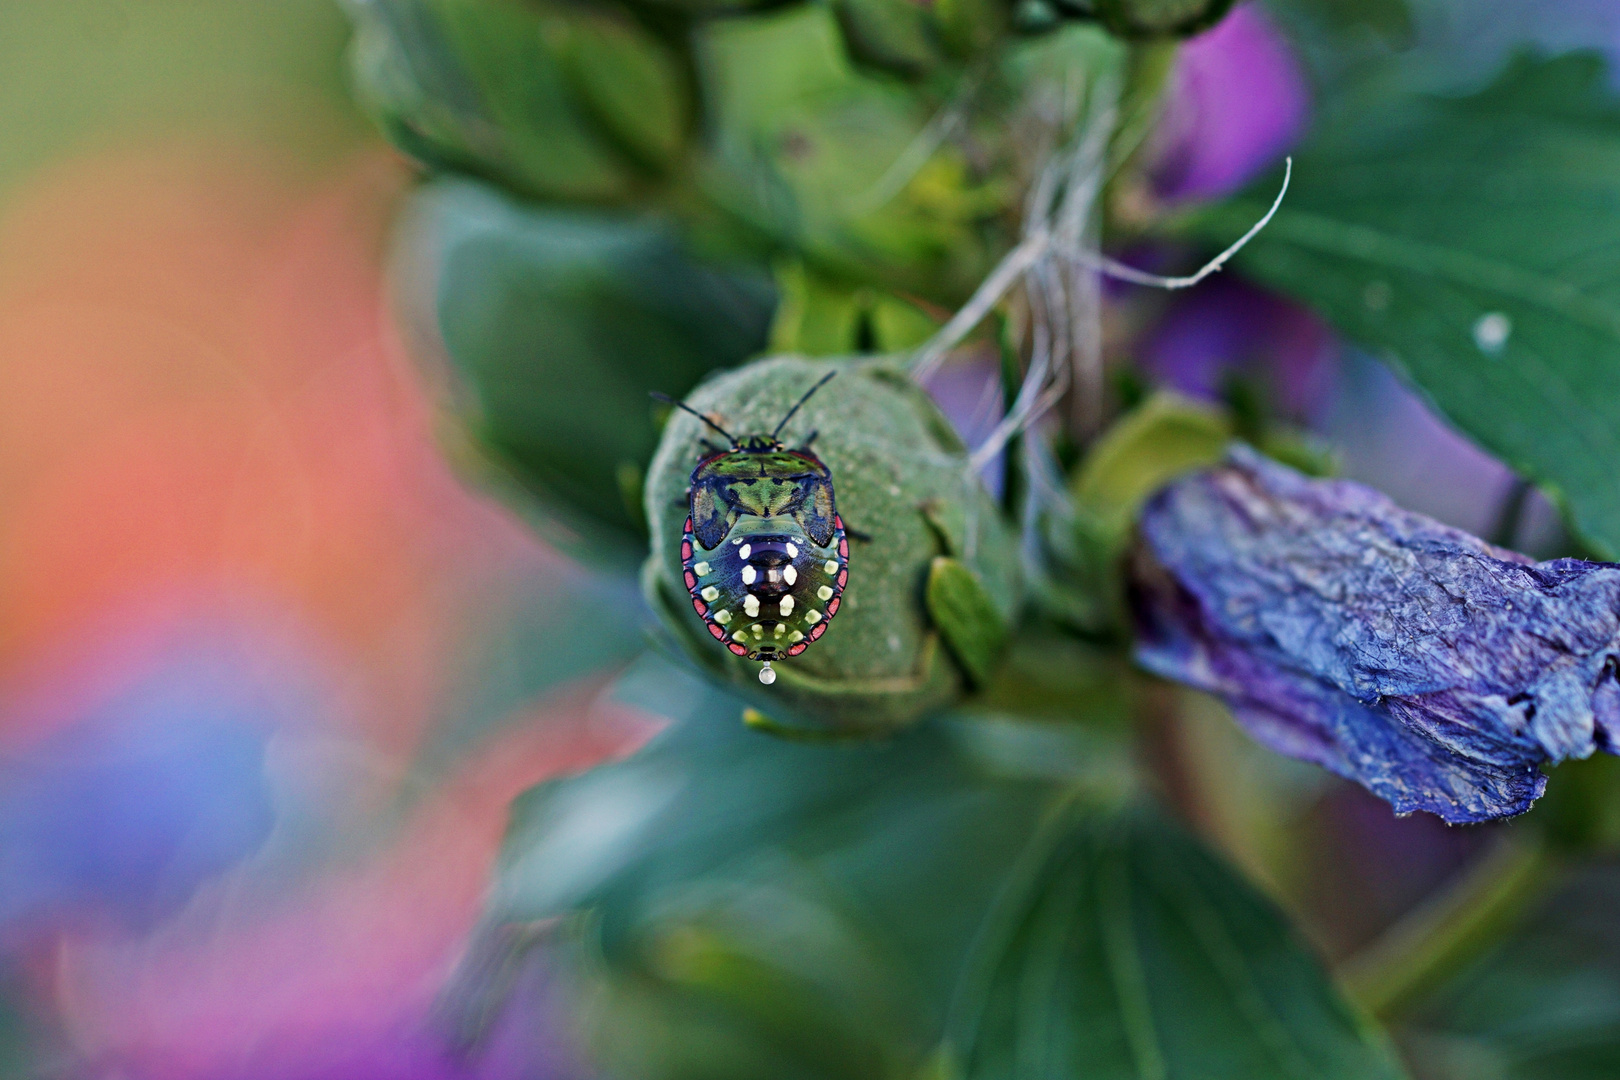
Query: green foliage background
pixel 643 196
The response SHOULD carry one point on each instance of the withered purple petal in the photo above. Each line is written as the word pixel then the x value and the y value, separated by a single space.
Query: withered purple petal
pixel 1438 671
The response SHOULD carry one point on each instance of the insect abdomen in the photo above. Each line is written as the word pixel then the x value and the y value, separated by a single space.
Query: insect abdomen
pixel 766 590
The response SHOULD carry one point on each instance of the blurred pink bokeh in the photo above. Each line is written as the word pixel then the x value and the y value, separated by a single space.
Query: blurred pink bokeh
pixel 243 588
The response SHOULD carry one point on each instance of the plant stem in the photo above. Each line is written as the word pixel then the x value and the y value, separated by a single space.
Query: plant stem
pixel 1510 515
pixel 1147 74
pixel 1447 931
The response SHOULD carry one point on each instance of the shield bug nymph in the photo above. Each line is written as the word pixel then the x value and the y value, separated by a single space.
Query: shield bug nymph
pixel 764 553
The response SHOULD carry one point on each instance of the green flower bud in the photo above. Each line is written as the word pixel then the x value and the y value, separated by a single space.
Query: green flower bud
pixel 913 38
pixel 550 101
pixel 1160 18
pixel 895 35
pixel 626 80
pixel 812 151
pixel 907 624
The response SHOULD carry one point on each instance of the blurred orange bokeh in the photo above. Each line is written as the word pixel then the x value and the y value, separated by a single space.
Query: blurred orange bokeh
pixel 204 414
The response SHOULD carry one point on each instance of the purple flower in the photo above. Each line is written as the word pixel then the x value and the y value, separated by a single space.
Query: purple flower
pixel 1237 102
pixel 1227 327
pixel 1432 668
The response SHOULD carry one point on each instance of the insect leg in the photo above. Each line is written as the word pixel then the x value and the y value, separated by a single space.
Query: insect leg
pixel 808 439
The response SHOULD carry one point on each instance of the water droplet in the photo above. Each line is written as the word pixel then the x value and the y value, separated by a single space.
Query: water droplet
pixel 1491 332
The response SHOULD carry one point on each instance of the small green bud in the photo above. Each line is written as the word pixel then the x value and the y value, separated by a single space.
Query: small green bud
pixel 895 35
pixel 914 38
pixel 1157 441
pixel 967 618
pixel 1137 19
pixel 900 479
pixel 629 82
pixel 476 87
pixel 814 151
pixel 821 316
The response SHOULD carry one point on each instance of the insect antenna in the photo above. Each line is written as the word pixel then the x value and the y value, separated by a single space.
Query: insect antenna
pixel 801 401
pixel 729 437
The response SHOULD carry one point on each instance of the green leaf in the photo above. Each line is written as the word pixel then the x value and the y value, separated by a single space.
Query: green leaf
pixel 1387 20
pixel 908 839
pixel 1543 1005
pixel 966 617
pixel 1138 955
pixel 558 323
pixel 963 899
pixel 1339 42
pixel 1474 244
pixel 497 88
